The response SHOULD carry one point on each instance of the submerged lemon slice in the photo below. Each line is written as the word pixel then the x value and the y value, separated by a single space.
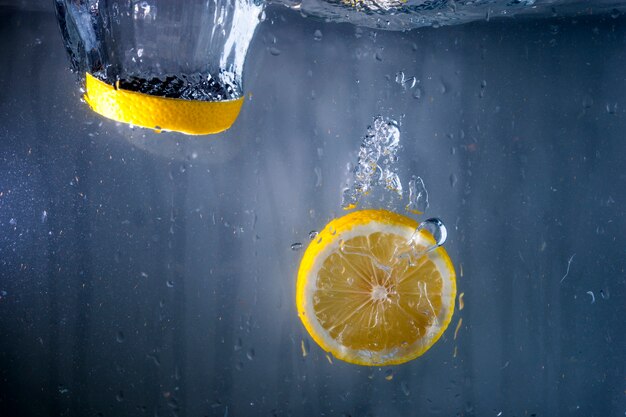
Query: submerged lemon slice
pixel 370 294
pixel 192 117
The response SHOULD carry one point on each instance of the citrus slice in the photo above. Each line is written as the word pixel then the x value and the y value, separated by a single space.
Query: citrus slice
pixel 193 117
pixel 370 293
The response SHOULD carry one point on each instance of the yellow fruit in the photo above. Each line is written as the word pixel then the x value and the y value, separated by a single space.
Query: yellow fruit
pixel 192 117
pixel 368 293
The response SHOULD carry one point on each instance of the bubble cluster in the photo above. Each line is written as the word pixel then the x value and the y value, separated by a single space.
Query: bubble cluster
pixel 376 162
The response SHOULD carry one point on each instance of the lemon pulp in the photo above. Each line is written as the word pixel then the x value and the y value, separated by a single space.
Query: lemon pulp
pixel 362 299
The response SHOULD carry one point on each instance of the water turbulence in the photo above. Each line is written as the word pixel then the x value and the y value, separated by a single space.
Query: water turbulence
pixel 376 174
pixel 193 51
pixel 376 163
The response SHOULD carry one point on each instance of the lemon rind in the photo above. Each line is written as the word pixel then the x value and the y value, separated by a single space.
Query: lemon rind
pixel 362 223
pixel 192 117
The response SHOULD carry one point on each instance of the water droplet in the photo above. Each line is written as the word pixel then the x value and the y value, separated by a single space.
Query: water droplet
pixel 417 94
pixel 274 51
pixel 587 102
pixel 453 180
pixel 332 230
pixel 250 354
pixel 317 35
pixel 316 300
pixel 120 396
pixel 238 344
pixel 120 337
pixel 304 345
pixel 483 86
pixel 405 388
pixel 44 216
pixel 389 374
pixel 296 246
pixel 170 284
pixel 611 108
pixel 350 280
pixel 312 234
pixel 437 229
pixel 318 176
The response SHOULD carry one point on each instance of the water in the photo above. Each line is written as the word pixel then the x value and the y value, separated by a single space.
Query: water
pixel 405 15
pixel 187 87
pixel 530 128
pixel 157 47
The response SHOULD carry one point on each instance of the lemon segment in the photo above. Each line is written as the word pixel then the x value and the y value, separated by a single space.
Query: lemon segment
pixel 363 301
pixel 192 117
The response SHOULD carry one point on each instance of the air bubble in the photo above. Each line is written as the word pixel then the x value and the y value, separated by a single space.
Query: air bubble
pixel 418 196
pixel 296 246
pixel 437 229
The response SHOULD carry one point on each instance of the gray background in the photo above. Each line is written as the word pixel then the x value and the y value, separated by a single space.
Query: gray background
pixel 161 281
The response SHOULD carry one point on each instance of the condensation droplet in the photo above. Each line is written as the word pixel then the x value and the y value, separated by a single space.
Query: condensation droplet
pixel 317 35
pixel 296 246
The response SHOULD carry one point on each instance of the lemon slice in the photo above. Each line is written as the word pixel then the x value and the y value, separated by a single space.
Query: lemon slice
pixel 364 300
pixel 192 117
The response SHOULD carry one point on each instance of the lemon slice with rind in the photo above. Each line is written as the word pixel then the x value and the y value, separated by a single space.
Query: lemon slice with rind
pixel 192 117
pixel 364 300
